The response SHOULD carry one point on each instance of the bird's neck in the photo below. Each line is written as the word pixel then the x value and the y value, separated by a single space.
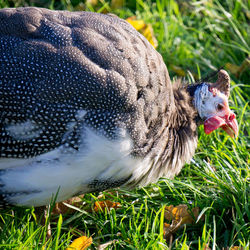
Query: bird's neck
pixel 183 130
pixel 175 140
pixel 185 116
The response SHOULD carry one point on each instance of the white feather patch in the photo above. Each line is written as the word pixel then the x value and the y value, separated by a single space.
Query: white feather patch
pixel 23 131
pixel 97 158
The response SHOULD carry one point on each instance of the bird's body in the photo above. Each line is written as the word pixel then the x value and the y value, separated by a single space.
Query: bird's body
pixel 86 104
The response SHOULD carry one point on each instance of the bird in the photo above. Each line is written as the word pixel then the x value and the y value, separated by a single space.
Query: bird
pixel 87 104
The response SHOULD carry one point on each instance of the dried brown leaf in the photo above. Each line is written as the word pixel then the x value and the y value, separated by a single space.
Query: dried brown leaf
pixel 61 208
pixel 178 216
pixel 181 213
pixel 101 205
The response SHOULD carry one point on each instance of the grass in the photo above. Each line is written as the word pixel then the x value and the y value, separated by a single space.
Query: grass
pixel 197 37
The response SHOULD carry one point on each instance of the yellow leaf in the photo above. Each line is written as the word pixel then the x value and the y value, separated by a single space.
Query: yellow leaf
pixel 137 24
pixel 101 205
pixel 148 32
pixel 144 29
pixel 80 243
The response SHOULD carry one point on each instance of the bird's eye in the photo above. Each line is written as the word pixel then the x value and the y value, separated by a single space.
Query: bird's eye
pixel 220 107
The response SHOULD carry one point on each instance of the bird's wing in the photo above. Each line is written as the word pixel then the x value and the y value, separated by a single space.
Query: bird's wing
pixel 56 66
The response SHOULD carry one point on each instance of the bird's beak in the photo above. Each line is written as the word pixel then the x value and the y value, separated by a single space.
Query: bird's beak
pixel 228 123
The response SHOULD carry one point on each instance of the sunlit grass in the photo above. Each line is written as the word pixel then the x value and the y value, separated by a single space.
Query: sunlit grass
pixel 197 36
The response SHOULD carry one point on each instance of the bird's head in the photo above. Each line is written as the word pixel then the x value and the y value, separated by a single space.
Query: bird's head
pixel 211 102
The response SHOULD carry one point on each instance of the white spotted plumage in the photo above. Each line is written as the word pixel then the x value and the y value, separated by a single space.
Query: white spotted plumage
pixel 87 104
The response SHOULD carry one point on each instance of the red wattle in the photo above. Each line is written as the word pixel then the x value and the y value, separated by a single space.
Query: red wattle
pixel 213 123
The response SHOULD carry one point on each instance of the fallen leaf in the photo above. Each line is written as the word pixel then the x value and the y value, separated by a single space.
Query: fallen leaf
pixel 144 29
pixel 148 32
pixel 178 216
pixel 101 205
pixel 181 213
pixel 80 243
pixel 166 230
pixel 137 24
pixel 61 208
pixel 168 214
pixel 170 229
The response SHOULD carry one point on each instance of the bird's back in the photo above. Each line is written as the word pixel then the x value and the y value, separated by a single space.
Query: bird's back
pixel 56 66
pixel 85 103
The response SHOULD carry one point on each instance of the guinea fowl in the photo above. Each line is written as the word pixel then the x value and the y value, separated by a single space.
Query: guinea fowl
pixel 86 104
